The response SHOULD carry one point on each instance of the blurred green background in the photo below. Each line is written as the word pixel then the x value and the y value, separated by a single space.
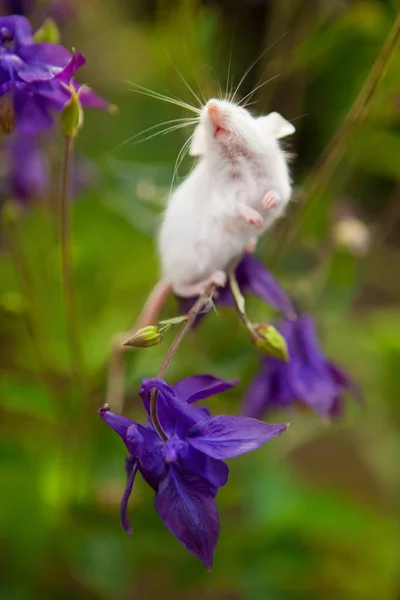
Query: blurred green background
pixel 313 514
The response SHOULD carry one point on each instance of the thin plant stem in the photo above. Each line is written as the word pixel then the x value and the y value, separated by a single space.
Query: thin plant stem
pixel 332 155
pixel 66 264
pixel 202 302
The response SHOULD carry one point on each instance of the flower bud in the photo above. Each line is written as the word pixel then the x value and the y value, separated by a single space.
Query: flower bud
pixel 48 32
pixel 146 337
pixel 72 114
pixel 269 341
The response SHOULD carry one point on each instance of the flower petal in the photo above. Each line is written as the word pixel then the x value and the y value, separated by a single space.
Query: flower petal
pixel 188 509
pixel 193 461
pixel 76 62
pixel 199 387
pixel 89 98
pixel 345 382
pixel 176 416
pixel 118 423
pixel 144 444
pixel 253 276
pixel 131 470
pixel 225 436
pixel 19 28
pixel 32 115
pixel 41 62
pixel 258 395
pixel 29 170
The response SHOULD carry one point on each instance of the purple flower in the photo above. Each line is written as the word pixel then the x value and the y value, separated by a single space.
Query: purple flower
pixel 308 377
pixel 187 469
pixel 28 169
pixel 37 75
pixel 254 278
pixel 26 176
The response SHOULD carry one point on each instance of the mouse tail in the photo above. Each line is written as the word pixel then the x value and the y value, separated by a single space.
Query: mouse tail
pixel 154 304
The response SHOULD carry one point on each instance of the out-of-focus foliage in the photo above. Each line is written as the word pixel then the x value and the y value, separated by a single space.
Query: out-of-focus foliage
pixel 310 516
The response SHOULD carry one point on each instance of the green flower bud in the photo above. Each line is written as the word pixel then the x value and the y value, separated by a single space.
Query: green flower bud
pixel 146 337
pixel 269 341
pixel 48 32
pixel 72 114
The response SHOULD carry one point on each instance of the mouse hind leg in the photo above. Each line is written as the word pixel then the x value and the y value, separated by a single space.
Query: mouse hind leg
pixel 188 290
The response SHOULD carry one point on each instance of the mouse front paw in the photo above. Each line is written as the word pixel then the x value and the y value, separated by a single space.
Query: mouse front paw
pixel 252 216
pixel 270 199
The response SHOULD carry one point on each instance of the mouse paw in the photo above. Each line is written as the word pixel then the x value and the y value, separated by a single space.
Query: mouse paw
pixel 252 216
pixel 270 199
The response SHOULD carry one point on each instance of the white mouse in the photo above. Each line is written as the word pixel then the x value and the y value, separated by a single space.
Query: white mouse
pixel 238 189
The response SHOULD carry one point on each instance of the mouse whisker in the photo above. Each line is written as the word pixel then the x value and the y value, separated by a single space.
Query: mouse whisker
pixel 189 87
pixel 185 120
pixel 253 64
pixel 250 94
pixel 139 89
pixel 165 131
pixel 182 153
pixel 133 138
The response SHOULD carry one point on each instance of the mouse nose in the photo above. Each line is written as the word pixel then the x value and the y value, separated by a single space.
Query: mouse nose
pixel 212 108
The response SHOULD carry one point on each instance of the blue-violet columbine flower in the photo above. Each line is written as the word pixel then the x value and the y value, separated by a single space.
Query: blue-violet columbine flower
pixel 36 76
pixel 187 469
pixel 309 377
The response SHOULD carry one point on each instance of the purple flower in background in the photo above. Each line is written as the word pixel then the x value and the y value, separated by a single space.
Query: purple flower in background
pixel 28 169
pixel 36 75
pixel 26 176
pixel 187 469
pixel 253 278
pixel 308 377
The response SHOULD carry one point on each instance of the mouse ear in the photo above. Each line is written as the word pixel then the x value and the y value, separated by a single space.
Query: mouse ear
pixel 198 146
pixel 276 125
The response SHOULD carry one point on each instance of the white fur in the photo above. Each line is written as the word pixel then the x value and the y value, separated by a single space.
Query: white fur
pixel 203 230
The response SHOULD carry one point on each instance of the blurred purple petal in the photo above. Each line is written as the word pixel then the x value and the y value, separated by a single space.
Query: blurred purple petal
pixel 75 62
pixel 89 98
pixel 28 171
pixel 187 507
pixel 227 437
pixel 31 115
pixel 252 276
pixel 17 28
pixel 258 396
pixel 200 387
pixel 42 62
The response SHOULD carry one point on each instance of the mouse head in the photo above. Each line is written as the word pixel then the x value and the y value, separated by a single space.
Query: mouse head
pixel 227 129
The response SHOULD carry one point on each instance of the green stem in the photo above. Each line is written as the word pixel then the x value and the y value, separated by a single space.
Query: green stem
pixel 332 155
pixel 74 343
pixel 194 312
